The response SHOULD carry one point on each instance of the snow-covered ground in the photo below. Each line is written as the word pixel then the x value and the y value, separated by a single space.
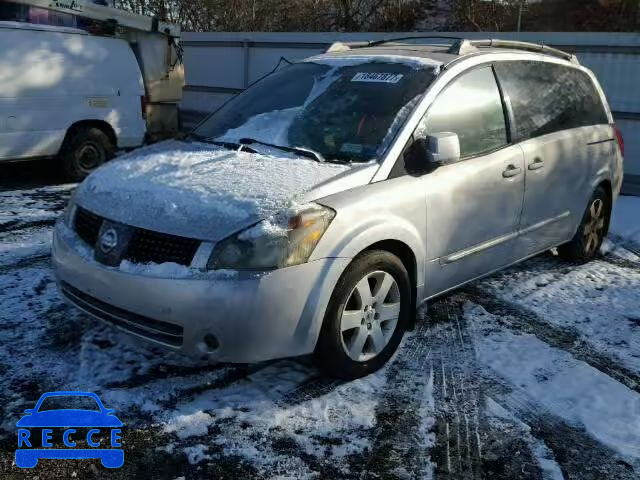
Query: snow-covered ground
pixel 531 373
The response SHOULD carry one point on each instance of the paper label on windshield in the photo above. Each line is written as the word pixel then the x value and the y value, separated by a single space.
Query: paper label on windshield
pixel 377 77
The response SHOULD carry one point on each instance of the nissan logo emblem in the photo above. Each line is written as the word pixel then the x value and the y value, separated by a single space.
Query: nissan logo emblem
pixel 108 240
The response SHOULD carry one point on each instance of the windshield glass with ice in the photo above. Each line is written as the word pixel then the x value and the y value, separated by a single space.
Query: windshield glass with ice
pixel 345 109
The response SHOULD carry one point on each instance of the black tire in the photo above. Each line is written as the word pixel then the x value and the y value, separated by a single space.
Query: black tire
pixel 84 150
pixel 330 354
pixel 585 244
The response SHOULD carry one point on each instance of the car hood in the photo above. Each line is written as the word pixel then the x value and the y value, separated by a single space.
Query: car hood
pixel 69 418
pixel 203 191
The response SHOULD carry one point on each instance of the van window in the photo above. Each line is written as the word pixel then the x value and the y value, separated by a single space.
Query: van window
pixel 471 107
pixel 548 97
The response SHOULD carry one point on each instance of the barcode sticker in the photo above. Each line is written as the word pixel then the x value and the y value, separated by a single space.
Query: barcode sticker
pixel 377 77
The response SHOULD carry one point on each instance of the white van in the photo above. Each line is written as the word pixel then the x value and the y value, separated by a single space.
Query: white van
pixel 69 95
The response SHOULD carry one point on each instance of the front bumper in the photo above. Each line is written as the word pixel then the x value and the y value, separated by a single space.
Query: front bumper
pixel 253 316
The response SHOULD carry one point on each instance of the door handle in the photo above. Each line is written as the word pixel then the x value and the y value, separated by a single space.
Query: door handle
pixel 511 171
pixel 536 164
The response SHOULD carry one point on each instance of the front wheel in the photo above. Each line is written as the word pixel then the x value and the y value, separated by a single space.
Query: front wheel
pixel 366 316
pixel 585 244
pixel 84 150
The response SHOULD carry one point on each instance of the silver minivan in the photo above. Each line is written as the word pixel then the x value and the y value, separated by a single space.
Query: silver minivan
pixel 316 210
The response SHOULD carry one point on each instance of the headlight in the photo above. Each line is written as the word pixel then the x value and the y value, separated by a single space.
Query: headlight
pixel 268 245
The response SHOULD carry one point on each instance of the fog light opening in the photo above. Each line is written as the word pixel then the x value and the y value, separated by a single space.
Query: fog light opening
pixel 211 342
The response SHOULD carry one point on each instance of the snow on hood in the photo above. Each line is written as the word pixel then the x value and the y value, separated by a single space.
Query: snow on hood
pixel 199 190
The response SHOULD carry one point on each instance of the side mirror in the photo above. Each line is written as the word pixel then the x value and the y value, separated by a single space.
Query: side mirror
pixel 109 411
pixel 29 411
pixel 443 148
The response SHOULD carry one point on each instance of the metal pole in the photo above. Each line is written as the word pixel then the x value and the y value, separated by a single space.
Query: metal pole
pixel 520 15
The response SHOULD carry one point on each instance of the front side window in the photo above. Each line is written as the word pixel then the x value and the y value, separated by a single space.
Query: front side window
pixel 347 109
pixel 472 108
pixel 548 97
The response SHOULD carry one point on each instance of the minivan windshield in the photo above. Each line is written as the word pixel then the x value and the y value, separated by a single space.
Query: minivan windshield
pixel 345 109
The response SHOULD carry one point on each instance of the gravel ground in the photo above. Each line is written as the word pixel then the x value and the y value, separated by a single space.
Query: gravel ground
pixel 533 373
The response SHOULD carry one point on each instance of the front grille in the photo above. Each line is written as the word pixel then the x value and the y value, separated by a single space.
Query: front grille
pixel 145 246
pixel 87 225
pixel 159 331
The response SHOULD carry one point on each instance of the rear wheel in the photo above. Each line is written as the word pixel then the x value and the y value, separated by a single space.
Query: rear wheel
pixel 585 244
pixel 366 316
pixel 84 150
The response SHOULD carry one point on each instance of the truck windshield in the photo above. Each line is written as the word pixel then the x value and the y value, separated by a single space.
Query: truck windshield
pixel 347 109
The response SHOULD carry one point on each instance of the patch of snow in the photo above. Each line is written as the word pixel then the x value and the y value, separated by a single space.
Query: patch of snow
pixel 164 270
pixel 270 127
pixel 189 425
pixel 196 453
pixel 614 248
pixel 15 246
pixel 264 228
pixel 566 387
pixel 199 190
pixel 598 300
pixel 254 408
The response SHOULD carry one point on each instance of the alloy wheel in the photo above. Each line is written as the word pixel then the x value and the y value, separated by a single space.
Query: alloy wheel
pixel 594 226
pixel 370 316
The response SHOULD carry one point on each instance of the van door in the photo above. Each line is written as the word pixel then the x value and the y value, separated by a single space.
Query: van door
pixel 554 108
pixel 474 205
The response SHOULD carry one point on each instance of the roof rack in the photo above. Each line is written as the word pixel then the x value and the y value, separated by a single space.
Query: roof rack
pixel 342 46
pixel 464 46
pixel 417 37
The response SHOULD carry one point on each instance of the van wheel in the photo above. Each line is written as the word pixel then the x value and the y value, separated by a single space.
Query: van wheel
pixel 366 316
pixel 84 150
pixel 585 244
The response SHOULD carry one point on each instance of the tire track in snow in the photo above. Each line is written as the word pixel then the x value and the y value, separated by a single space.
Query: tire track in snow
pixel 502 452
pixel 470 443
pixel 519 318
pixel 404 416
pixel 458 449
pixel 579 455
pixel 17 225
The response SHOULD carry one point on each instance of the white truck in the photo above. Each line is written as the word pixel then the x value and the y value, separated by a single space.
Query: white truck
pixel 76 96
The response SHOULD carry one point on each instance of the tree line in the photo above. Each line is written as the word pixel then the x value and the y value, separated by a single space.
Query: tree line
pixel 393 15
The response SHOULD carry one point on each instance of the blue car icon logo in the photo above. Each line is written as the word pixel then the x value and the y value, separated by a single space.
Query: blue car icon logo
pixel 82 426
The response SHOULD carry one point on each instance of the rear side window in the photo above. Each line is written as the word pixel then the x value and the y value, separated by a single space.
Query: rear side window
pixel 471 107
pixel 548 97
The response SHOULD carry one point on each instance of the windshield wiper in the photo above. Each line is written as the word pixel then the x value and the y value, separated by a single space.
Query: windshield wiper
pixel 302 151
pixel 227 145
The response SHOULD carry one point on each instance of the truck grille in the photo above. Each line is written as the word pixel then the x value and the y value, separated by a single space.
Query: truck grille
pixel 163 332
pixel 145 245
